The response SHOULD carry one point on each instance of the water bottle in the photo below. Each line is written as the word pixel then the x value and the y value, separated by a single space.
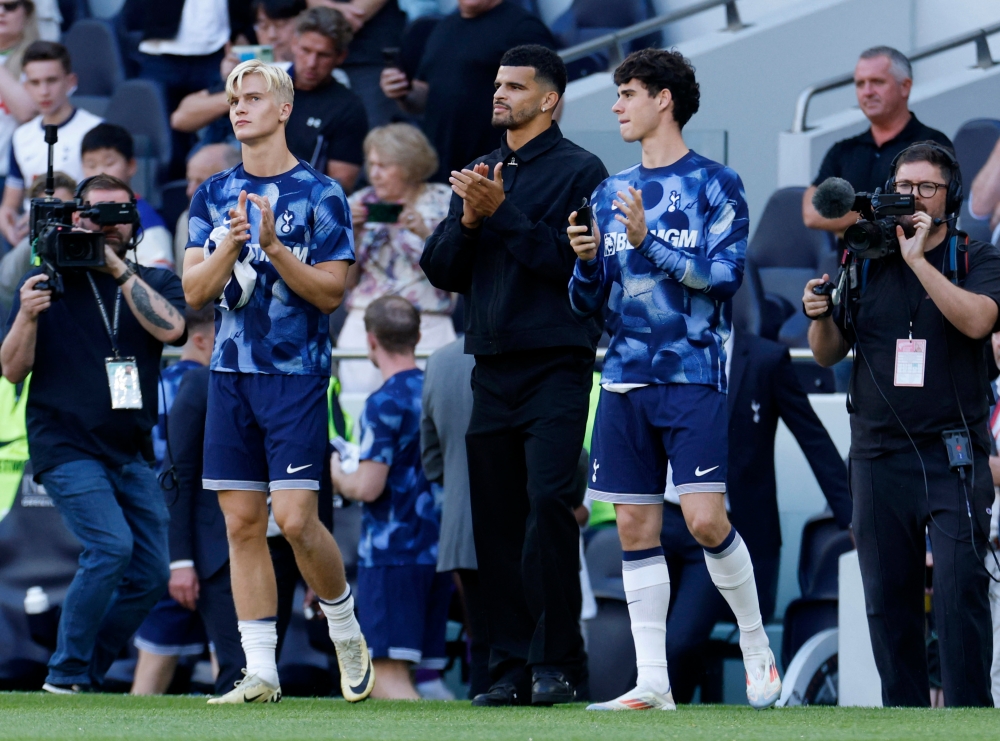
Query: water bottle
pixel 36 601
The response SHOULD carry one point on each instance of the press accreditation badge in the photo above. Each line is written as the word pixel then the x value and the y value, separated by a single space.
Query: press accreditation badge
pixel 123 380
pixel 911 359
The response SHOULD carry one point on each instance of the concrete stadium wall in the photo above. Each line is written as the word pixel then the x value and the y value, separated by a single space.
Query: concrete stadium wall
pixel 751 78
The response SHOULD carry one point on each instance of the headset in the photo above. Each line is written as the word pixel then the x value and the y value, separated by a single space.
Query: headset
pixel 955 192
pixel 136 225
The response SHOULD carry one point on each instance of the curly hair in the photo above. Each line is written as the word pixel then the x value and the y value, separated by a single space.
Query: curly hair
pixel 659 69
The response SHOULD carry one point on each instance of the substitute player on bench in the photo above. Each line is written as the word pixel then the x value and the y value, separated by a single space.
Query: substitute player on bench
pixel 271 241
pixel 666 258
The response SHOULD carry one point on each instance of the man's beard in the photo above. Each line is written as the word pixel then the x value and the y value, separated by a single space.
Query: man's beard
pixel 909 230
pixel 512 120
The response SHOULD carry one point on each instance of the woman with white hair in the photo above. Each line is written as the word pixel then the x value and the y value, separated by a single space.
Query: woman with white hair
pixel 392 218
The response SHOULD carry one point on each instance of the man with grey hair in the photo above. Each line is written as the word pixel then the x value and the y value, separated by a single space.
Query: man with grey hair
pixel 882 80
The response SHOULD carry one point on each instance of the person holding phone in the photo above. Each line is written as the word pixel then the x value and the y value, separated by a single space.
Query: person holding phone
pixel 392 217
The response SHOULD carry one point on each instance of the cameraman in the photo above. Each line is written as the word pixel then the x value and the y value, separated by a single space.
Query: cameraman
pixel 89 442
pixel 899 468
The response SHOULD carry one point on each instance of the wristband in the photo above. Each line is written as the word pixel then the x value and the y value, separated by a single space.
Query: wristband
pixel 123 278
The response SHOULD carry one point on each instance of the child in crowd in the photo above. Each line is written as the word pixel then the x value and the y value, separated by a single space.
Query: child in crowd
pixel 402 601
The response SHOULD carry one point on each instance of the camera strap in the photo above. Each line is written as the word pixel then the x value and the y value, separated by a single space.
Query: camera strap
pixel 112 330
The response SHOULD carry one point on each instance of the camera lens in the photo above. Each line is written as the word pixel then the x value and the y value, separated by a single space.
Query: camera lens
pixel 862 236
pixel 77 250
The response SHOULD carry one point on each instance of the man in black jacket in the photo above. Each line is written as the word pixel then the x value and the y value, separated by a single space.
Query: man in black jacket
pixel 504 246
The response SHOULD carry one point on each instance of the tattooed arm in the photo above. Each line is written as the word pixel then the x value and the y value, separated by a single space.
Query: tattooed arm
pixel 156 315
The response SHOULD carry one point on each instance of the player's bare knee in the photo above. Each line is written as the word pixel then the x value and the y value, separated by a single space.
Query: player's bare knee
pixel 244 525
pixel 708 529
pixel 638 527
pixel 295 523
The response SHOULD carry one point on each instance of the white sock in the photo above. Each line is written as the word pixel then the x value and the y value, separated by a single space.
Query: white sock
pixel 647 590
pixel 731 570
pixel 340 616
pixel 260 640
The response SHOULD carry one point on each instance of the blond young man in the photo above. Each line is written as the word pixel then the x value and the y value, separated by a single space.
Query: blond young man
pixel 270 241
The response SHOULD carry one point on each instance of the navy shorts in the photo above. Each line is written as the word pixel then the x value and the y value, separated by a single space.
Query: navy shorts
pixel 637 432
pixel 171 629
pixel 265 432
pixel 403 612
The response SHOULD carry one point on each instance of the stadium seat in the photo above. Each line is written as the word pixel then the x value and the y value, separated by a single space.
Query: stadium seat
pixel 785 255
pixel 818 534
pixel 604 564
pixel 173 201
pixel 139 106
pixel 97 61
pixel 973 143
pixel 804 618
pixel 590 19
pixel 96 104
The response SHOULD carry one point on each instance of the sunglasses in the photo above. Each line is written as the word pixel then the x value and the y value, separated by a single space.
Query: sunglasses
pixel 12 6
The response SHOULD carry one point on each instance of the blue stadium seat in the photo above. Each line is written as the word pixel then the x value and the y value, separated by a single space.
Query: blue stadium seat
pixel 139 106
pixel 173 201
pixel 590 19
pixel 973 143
pixel 785 254
pixel 97 61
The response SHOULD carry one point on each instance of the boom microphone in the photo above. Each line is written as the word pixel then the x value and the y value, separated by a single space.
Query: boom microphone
pixel 833 198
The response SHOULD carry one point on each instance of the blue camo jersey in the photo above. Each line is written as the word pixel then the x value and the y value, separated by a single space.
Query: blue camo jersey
pixel 668 300
pixel 402 527
pixel 166 392
pixel 276 332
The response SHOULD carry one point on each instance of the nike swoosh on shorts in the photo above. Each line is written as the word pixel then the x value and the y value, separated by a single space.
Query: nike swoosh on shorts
pixel 300 468
pixel 697 471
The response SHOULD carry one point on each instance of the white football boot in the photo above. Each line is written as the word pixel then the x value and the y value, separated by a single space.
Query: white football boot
pixel 249 689
pixel 639 698
pixel 357 675
pixel 763 683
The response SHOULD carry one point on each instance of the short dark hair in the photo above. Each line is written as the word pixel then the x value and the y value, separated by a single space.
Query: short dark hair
pixel 278 9
pixel 47 51
pixel 932 152
pixel 195 319
pixel 108 136
pixel 395 322
pixel 548 65
pixel 104 182
pixel 660 69
pixel 326 22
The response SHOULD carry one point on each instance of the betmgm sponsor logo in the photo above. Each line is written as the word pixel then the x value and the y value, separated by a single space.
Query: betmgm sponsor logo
pixel 615 242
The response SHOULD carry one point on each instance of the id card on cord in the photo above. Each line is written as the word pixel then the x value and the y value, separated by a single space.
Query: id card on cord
pixel 911 359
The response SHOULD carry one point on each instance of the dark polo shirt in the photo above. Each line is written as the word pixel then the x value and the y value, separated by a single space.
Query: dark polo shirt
pixel 864 164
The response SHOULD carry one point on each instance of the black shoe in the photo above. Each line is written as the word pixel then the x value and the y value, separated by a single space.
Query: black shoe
pixel 66 689
pixel 551 688
pixel 500 695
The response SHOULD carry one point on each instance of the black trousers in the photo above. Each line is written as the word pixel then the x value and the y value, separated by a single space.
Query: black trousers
pixel 218 613
pixel 891 513
pixel 479 669
pixel 524 441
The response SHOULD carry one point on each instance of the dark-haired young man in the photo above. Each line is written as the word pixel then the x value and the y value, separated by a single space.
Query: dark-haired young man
pixel 402 600
pixel 503 246
pixel 108 148
pixel 94 359
pixel 48 78
pixel 934 302
pixel 665 257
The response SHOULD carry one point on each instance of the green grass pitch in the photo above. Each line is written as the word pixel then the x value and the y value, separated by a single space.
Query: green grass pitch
pixel 41 716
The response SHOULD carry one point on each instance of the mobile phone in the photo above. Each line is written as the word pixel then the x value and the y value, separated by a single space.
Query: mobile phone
pixel 390 57
pixel 584 218
pixel 384 213
pixel 246 52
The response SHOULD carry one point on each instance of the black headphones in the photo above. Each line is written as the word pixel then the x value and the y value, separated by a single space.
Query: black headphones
pixel 82 186
pixel 955 194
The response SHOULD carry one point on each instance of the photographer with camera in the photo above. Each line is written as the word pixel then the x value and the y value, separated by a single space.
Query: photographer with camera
pixel 94 355
pixel 918 320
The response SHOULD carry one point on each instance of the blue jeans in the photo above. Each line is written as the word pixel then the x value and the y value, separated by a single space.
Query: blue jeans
pixel 120 517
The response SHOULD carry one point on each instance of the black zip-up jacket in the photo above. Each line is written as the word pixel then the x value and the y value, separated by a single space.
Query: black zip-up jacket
pixel 514 269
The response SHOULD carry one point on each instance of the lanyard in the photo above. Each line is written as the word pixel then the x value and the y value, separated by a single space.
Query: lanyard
pixel 112 332
pixel 915 309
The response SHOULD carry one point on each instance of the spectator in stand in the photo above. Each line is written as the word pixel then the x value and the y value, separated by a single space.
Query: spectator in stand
pixel 984 199
pixel 18 29
pixel 17 262
pixel 202 165
pixel 274 24
pixel 328 122
pixel 453 86
pixel 108 148
pixel 49 79
pixel 173 628
pixel 402 600
pixel 447 409
pixel 399 159
pixel 377 25
pixel 882 81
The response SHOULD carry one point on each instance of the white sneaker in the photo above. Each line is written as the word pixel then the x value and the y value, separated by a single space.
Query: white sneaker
pixel 639 698
pixel 763 683
pixel 357 675
pixel 434 689
pixel 249 689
